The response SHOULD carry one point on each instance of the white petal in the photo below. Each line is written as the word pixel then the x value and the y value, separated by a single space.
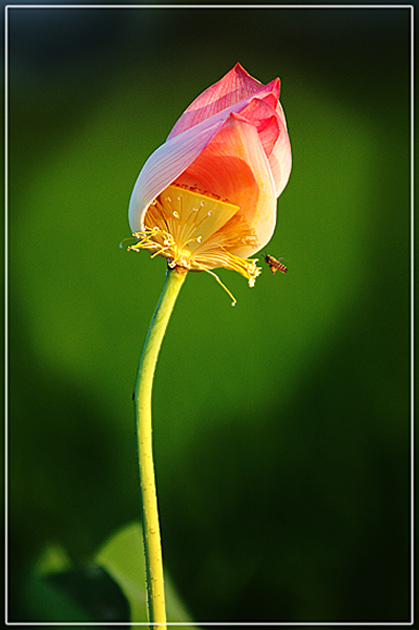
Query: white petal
pixel 165 165
pixel 280 159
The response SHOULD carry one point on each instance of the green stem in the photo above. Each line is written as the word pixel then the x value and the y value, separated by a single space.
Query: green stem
pixel 142 406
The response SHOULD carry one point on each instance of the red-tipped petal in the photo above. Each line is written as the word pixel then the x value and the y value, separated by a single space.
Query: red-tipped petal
pixel 235 87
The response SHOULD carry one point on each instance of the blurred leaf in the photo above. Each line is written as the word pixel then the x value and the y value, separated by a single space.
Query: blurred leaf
pixel 112 588
pixel 123 557
pixel 43 601
pixel 54 558
pixel 56 591
pixel 93 589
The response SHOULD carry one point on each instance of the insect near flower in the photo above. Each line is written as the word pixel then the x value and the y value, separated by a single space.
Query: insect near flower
pixel 206 198
pixel 274 264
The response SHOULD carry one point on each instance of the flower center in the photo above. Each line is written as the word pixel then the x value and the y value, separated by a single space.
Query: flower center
pixel 197 231
pixel 189 216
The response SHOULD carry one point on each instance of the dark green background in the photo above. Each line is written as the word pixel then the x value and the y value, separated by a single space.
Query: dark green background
pixel 281 426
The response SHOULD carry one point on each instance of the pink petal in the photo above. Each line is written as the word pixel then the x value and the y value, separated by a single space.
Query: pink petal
pixel 264 117
pixel 234 166
pixel 236 86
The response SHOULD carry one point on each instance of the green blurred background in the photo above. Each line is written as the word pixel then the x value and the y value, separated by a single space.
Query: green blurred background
pixel 281 426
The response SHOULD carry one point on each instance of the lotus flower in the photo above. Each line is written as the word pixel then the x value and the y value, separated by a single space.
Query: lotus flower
pixel 207 197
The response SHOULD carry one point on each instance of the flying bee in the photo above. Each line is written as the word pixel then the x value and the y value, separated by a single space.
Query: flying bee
pixel 274 264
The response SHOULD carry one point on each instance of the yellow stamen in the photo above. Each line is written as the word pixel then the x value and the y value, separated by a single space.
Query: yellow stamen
pixel 197 231
pixel 234 301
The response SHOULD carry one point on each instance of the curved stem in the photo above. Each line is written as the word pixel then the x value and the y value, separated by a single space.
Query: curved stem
pixel 142 407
